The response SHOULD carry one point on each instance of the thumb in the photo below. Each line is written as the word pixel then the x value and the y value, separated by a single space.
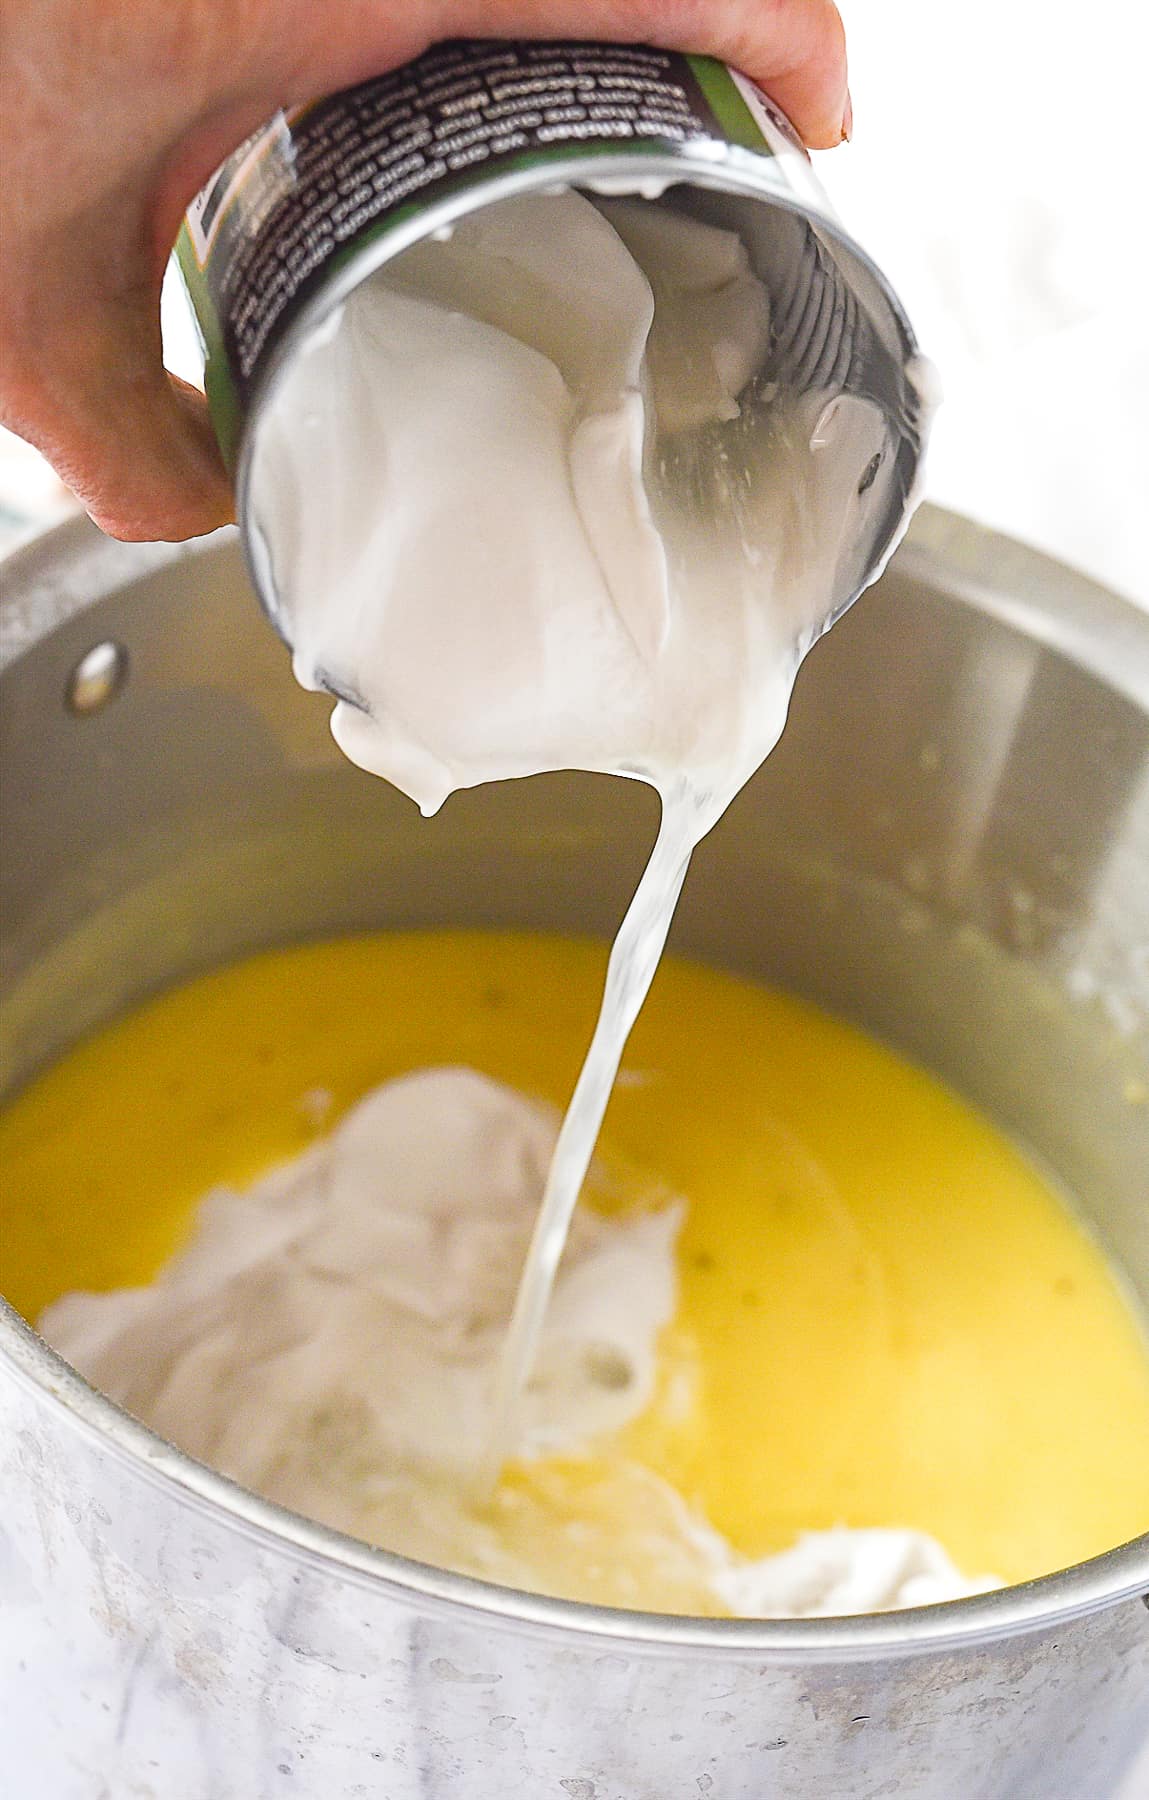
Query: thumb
pixel 133 443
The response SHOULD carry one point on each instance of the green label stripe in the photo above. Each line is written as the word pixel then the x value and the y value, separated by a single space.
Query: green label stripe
pixel 735 120
pixel 222 395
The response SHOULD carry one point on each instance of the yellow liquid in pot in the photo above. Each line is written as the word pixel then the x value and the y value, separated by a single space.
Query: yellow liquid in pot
pixel 885 1316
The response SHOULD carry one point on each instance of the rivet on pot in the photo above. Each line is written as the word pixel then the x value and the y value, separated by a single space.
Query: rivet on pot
pixel 97 678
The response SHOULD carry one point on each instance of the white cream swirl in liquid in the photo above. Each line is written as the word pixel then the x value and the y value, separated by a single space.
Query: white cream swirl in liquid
pixel 330 1336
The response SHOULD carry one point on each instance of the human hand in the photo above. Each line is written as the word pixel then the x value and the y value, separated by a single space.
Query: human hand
pixel 116 111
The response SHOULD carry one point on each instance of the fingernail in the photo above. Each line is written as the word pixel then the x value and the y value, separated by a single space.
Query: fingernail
pixel 847 119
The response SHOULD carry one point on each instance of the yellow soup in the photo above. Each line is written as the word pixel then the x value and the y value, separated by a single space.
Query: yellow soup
pixel 885 1316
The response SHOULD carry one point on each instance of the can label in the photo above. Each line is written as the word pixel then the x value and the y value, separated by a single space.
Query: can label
pixel 305 193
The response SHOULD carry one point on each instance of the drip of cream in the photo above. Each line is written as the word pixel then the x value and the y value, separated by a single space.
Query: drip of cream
pixel 331 1338
pixel 523 507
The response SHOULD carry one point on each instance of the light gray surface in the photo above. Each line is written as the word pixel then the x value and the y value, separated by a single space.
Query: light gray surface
pixel 951 850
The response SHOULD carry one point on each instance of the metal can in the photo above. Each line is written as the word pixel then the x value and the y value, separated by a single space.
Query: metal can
pixel 317 201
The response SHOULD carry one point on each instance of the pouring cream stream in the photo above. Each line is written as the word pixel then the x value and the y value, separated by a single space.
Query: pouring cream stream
pixel 527 505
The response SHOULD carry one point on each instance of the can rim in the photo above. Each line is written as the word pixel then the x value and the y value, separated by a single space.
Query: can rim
pixel 711 164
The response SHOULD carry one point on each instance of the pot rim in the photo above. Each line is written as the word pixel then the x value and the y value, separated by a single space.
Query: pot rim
pixel 71 566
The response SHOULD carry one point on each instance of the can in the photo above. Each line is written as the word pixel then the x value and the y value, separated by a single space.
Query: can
pixel 326 193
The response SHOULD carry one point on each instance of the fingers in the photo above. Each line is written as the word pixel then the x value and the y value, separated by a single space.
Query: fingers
pixel 95 96
pixel 134 445
pixel 155 471
pixel 794 49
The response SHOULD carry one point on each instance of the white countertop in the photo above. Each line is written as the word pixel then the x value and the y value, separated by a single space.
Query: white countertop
pixel 996 173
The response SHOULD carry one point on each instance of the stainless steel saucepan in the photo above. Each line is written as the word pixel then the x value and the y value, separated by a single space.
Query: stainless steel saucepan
pixel 951 846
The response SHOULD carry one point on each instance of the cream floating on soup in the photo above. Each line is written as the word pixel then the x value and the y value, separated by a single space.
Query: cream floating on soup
pixel 821 1340
pixel 330 1338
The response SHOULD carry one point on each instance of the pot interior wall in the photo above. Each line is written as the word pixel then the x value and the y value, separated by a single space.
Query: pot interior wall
pixel 950 847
